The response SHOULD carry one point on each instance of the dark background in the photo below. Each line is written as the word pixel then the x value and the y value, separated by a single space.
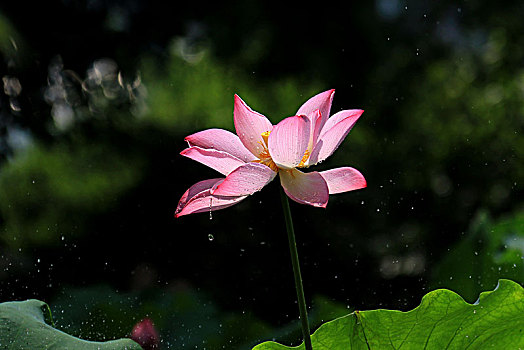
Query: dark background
pixel 99 95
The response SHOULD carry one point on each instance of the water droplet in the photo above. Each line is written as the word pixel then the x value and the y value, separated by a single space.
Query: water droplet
pixel 210 237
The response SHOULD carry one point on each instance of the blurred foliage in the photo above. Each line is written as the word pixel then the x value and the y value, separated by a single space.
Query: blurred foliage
pixel 191 94
pixel 184 317
pixel 51 192
pixel 490 249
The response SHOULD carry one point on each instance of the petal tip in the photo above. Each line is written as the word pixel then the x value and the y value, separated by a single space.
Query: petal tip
pixel 239 99
pixel 322 205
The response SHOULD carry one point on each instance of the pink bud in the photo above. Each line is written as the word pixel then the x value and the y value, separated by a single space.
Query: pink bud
pixel 145 334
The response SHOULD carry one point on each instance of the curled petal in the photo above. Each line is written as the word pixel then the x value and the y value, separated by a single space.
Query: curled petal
pixel 220 161
pixel 220 140
pixel 343 179
pixel 333 133
pixel 315 129
pixel 198 199
pixel 305 188
pixel 288 141
pixel 250 126
pixel 245 180
pixel 321 102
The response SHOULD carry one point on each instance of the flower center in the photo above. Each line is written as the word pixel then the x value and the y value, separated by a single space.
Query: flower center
pixel 264 156
pixel 304 160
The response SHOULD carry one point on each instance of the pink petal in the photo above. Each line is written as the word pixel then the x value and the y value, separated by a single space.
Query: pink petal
pixel 322 103
pixel 221 140
pixel 220 161
pixel 245 180
pixel 198 199
pixel 334 132
pixel 343 179
pixel 288 141
pixel 305 188
pixel 315 129
pixel 249 126
pixel 338 117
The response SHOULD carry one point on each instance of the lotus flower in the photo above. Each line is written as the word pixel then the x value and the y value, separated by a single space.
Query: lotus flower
pixel 252 158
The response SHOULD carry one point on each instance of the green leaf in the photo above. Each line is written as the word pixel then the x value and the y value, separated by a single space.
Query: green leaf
pixel 443 320
pixel 28 325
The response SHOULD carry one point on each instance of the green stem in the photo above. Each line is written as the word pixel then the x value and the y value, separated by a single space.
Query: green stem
pixel 296 270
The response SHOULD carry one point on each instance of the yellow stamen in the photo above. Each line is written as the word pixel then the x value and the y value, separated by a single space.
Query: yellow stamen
pixel 264 156
pixel 265 136
pixel 267 162
pixel 304 159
